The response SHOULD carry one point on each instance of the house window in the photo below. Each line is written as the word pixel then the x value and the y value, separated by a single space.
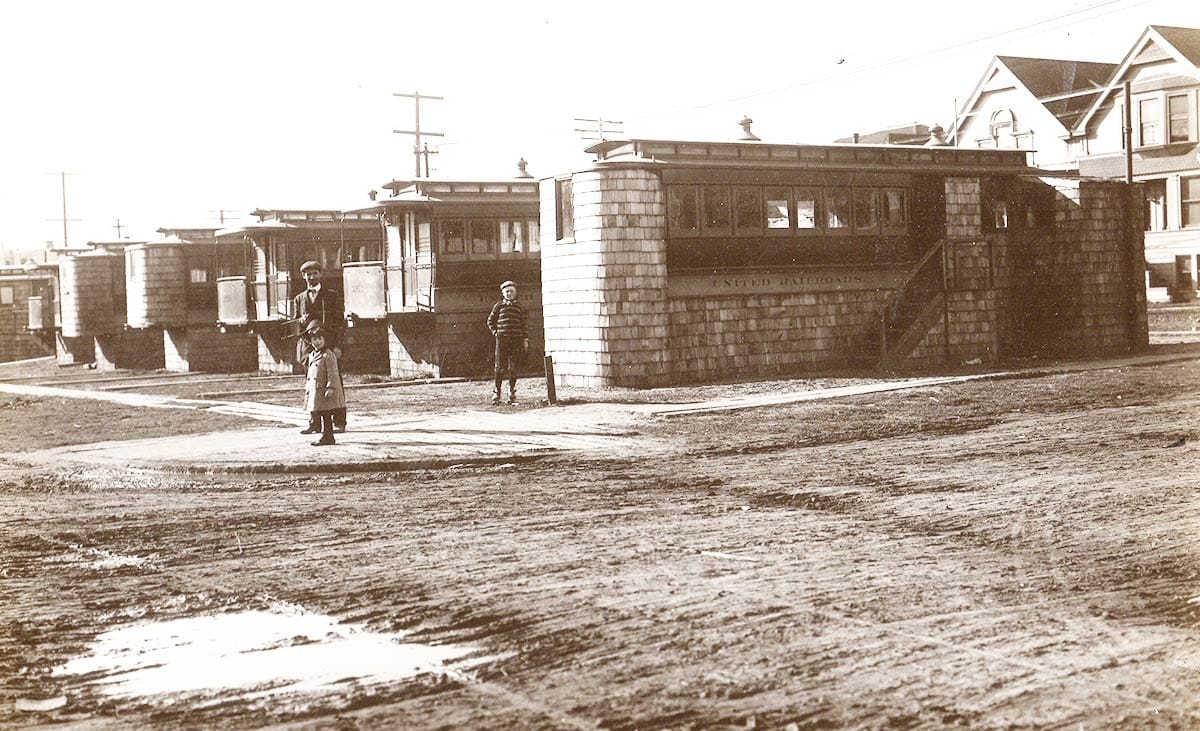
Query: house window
pixel 750 210
pixel 533 235
pixel 1160 274
pixel 1183 272
pixel 1155 209
pixel 1002 127
pixel 1149 119
pixel 199 276
pixel 6 295
pixel 512 238
pixel 683 209
pixel 837 209
pixel 895 209
pixel 483 238
pixel 1178 120
pixel 806 208
pixel 424 239
pixel 866 210
pixel 517 237
pixel 564 217
pixel 747 209
pixel 716 209
pixel 1190 203
pixel 453 236
pixel 1000 214
pixel 779 212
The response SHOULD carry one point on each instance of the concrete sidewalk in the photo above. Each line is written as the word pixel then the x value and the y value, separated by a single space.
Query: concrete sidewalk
pixel 369 445
pixel 388 443
pixel 776 399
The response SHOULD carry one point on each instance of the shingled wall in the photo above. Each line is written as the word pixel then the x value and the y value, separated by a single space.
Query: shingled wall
pixel 1073 289
pixel 604 288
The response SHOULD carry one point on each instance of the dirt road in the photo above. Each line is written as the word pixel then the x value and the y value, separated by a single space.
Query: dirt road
pixel 1000 554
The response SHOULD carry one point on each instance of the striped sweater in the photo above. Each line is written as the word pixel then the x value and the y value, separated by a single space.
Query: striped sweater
pixel 508 320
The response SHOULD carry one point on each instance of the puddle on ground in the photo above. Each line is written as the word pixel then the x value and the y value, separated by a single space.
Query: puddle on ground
pixel 255 653
pixel 101 560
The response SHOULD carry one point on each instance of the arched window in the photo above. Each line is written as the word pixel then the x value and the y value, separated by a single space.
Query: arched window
pixel 1003 127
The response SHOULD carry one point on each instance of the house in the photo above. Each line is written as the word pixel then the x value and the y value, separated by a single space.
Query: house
pixel 450 243
pixel 26 311
pixel 676 261
pixel 256 295
pixel 1162 71
pixel 1032 104
pixel 171 302
pixel 91 307
pixel 1071 114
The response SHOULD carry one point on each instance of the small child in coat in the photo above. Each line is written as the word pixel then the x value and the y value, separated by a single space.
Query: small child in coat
pixel 323 394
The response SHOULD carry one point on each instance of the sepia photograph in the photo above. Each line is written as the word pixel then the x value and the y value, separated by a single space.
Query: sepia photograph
pixel 617 366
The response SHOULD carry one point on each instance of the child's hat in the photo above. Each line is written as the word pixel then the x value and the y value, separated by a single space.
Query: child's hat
pixel 507 283
pixel 313 328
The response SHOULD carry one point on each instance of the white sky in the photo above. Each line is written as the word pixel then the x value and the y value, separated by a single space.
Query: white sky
pixel 164 113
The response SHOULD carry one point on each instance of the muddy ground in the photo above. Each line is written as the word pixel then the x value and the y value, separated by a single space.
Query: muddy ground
pixel 1013 553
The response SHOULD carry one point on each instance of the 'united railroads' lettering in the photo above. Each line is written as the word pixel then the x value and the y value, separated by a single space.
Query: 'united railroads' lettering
pixel 687 284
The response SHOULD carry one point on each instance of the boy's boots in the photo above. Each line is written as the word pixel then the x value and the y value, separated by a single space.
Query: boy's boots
pixel 326 432
pixel 512 394
pixel 496 397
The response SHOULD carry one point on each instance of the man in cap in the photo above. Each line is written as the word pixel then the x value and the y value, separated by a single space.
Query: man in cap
pixel 319 305
pixel 507 322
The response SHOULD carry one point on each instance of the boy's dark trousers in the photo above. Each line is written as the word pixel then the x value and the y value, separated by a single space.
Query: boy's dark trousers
pixel 325 419
pixel 510 353
pixel 338 416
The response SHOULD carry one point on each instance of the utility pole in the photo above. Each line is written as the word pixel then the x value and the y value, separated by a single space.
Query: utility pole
pixel 63 178
pixel 220 213
pixel 954 127
pixel 426 152
pixel 118 227
pixel 596 131
pixel 1127 131
pixel 416 131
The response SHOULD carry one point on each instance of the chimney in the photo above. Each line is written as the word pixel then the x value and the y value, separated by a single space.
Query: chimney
pixel 372 193
pixel 747 135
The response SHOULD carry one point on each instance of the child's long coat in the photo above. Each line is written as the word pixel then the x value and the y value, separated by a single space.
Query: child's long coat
pixel 323 389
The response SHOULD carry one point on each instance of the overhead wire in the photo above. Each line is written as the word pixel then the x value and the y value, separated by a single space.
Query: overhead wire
pixel 1052 21
pixel 906 59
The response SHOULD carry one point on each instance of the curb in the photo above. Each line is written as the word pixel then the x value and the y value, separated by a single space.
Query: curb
pixel 666 412
pixel 386 465
pixel 283 468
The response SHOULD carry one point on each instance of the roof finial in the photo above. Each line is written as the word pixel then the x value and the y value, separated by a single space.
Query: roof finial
pixel 746 133
pixel 521 171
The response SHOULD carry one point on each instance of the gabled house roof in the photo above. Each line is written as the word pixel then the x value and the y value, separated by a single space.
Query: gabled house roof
pixel 1066 88
pixel 1184 40
pixel 1182 44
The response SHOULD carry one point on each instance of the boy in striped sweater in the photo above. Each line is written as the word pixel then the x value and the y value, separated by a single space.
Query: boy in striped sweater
pixel 508 323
